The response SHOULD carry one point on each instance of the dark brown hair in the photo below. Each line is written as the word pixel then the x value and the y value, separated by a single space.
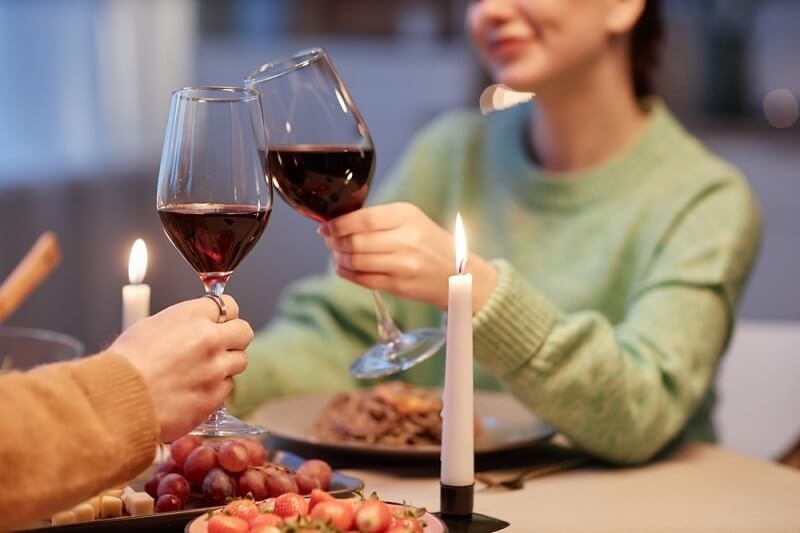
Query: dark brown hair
pixel 646 39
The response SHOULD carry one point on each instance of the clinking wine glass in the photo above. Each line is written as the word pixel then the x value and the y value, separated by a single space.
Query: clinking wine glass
pixel 213 197
pixel 321 159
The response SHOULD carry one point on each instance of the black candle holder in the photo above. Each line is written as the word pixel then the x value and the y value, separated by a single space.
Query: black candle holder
pixel 457 505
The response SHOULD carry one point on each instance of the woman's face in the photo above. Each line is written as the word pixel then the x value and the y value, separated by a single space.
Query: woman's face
pixel 530 44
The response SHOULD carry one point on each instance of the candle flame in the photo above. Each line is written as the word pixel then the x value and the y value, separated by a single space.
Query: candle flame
pixel 137 263
pixel 461 246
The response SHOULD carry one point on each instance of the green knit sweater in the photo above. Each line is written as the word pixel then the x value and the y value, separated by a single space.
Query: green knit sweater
pixel 616 294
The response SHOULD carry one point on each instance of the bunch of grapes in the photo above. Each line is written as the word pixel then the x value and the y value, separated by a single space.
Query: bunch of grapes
pixel 215 471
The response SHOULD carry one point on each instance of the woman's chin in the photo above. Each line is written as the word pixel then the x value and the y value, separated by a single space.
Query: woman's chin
pixel 523 83
pixel 518 77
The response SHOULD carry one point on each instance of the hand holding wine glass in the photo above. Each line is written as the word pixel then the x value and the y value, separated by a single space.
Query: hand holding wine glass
pixel 187 360
pixel 321 159
pixel 213 198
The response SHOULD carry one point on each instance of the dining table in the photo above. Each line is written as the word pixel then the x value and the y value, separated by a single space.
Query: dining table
pixel 697 487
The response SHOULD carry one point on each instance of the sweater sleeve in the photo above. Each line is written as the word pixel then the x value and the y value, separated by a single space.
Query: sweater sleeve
pixel 71 430
pixel 623 391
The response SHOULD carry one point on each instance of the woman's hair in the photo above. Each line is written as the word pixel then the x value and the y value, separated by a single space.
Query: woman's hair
pixel 645 43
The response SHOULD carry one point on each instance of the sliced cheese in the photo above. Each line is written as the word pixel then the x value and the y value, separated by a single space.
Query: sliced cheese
pixel 110 506
pixel 84 512
pixel 138 503
pixel 64 517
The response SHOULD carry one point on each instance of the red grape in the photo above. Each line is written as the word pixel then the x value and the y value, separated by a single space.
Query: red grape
pixel 280 482
pixel 168 502
pixel 174 484
pixel 218 486
pixel 233 456
pixel 151 486
pixel 319 469
pixel 170 467
pixel 181 448
pixel 306 482
pixel 256 451
pixel 197 465
pixel 252 482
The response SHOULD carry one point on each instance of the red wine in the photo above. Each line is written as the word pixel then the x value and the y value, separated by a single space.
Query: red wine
pixel 320 181
pixel 214 238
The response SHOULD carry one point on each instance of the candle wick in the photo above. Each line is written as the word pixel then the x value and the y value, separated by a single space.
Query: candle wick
pixel 461 266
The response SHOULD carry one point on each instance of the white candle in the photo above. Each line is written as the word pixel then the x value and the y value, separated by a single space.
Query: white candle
pixel 136 295
pixel 458 444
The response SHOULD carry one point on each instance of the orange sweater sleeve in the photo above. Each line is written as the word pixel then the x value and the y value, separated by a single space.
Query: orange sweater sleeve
pixel 68 431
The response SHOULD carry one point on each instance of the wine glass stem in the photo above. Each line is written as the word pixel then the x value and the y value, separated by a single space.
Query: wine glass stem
pixel 387 329
pixel 216 287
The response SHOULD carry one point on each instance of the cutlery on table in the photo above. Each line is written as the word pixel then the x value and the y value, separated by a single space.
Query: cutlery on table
pixel 517 481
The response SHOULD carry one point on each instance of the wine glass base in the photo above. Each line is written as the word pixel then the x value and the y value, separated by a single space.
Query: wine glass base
pixel 225 425
pixel 398 355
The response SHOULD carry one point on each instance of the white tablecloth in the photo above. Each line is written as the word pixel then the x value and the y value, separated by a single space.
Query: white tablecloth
pixel 700 488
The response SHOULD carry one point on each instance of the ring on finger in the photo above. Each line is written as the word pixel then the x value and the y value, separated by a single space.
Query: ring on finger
pixel 223 309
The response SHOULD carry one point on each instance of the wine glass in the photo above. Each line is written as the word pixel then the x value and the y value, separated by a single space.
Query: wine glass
pixel 321 159
pixel 213 197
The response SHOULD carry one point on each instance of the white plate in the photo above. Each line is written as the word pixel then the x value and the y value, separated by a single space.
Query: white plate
pixel 506 425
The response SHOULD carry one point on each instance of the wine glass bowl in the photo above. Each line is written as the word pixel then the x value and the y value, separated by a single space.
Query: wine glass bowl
pixel 214 238
pixel 320 154
pixel 213 197
pixel 321 159
pixel 322 182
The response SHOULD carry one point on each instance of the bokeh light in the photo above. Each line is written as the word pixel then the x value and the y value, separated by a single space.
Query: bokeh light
pixel 781 108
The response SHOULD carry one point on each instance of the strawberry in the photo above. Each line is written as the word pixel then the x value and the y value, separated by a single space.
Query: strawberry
pixel 338 514
pixel 373 516
pixel 265 529
pixel 393 528
pixel 244 509
pixel 407 520
pixel 222 523
pixel 317 496
pixel 265 519
pixel 405 525
pixel 290 504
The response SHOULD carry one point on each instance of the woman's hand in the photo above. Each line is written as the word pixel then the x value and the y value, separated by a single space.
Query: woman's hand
pixel 396 248
pixel 187 359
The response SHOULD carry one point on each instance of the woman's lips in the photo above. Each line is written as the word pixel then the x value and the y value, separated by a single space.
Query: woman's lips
pixel 506 49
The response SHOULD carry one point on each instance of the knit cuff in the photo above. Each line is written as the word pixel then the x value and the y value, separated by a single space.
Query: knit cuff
pixel 123 404
pixel 513 324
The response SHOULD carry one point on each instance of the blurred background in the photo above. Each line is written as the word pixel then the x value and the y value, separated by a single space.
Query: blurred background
pixel 86 95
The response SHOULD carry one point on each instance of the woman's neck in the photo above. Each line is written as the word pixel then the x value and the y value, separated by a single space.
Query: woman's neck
pixel 582 123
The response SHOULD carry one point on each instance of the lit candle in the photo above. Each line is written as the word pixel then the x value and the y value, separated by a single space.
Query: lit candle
pixel 136 295
pixel 458 444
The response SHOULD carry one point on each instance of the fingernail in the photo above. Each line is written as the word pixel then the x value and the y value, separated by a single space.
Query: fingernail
pixel 322 229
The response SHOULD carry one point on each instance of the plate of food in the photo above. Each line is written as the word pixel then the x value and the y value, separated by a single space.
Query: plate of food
pixel 318 512
pixel 395 418
pixel 193 477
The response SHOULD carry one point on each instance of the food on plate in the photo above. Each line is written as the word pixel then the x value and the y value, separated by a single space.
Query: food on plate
pixel 112 503
pixel 391 414
pixel 199 474
pixel 318 512
pixel 202 474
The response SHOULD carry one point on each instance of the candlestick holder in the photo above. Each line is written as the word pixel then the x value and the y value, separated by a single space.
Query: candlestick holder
pixel 457 512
